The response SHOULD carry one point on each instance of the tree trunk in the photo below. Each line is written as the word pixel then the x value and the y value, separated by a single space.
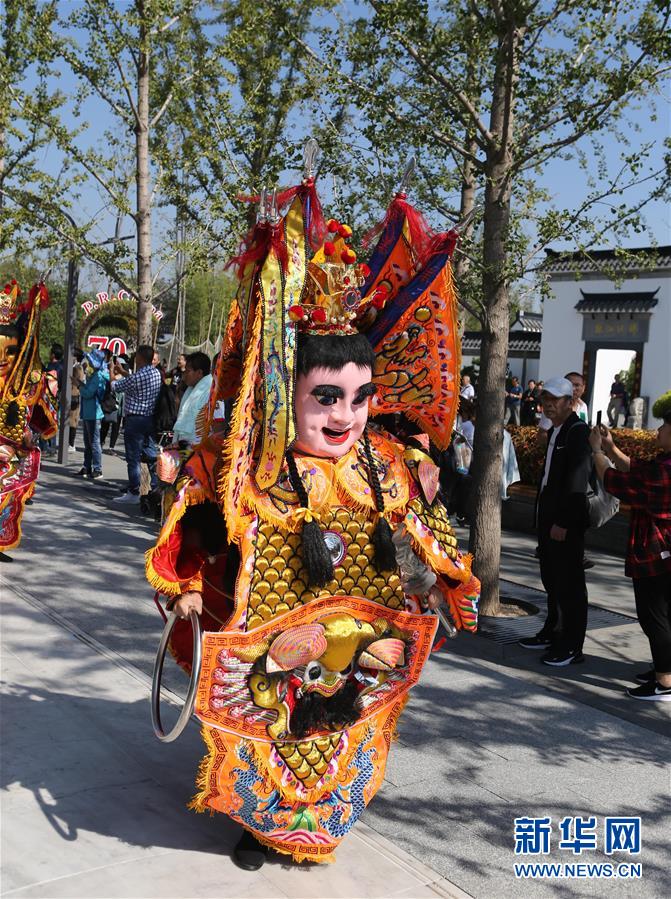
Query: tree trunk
pixel 486 467
pixel 2 164
pixel 143 210
pixel 485 537
pixel 468 191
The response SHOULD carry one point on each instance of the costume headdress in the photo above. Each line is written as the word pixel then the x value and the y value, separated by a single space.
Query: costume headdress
pixel 9 301
pixel 25 316
pixel 21 390
pixel 298 275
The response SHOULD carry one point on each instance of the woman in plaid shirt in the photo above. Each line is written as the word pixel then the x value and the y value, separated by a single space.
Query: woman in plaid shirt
pixel 646 488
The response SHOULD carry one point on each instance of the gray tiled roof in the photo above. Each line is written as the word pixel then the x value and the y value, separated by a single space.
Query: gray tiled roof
pixel 518 342
pixel 528 321
pixel 617 301
pixel 597 260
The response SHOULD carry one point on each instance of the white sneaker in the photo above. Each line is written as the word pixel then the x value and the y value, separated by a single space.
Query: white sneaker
pixel 128 498
pixel 71 449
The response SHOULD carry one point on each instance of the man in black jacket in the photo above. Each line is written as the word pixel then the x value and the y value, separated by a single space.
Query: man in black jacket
pixel 562 521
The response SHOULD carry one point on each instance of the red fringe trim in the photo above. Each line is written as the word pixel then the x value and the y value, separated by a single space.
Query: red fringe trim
pixel 307 189
pixel 37 291
pixel 263 238
pixel 440 243
pixel 421 233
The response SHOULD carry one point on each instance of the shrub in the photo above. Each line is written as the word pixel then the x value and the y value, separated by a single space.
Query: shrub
pixel 662 405
pixel 530 455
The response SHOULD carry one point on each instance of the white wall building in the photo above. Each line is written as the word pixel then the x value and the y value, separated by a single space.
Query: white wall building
pixel 599 327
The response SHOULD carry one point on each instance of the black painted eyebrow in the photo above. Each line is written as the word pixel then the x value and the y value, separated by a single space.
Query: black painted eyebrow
pixel 328 390
pixel 366 390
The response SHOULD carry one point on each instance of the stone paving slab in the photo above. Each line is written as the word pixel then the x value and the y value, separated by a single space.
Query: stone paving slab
pixel 94 806
pixel 468 762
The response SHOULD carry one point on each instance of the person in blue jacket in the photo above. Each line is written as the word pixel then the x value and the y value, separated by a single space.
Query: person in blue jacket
pixel 91 395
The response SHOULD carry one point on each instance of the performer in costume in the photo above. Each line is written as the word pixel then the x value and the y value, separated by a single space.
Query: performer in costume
pixel 26 407
pixel 310 541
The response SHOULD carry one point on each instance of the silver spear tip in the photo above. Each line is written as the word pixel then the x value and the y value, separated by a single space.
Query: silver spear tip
pixel 273 214
pixel 408 175
pixel 310 153
pixel 261 215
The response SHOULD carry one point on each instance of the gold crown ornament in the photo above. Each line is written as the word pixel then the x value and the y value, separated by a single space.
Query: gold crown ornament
pixel 332 302
pixel 9 297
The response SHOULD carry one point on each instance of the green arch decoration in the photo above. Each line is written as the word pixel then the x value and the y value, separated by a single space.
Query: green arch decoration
pixel 119 313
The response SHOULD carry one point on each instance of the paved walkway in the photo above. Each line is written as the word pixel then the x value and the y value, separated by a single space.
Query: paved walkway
pixel 93 806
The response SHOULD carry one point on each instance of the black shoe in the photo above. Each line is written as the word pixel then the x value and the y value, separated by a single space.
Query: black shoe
pixel 29 502
pixel 82 473
pixel 249 854
pixel 5 558
pixel 96 475
pixel 587 563
pixel 645 677
pixel 540 641
pixel 563 657
pixel 537 552
pixel 654 691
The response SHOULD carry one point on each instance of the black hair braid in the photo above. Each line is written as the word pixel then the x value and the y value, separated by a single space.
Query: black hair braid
pixel 316 556
pixel 385 552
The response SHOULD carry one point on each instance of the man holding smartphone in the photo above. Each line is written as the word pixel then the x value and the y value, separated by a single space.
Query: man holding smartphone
pixel 141 391
pixel 562 517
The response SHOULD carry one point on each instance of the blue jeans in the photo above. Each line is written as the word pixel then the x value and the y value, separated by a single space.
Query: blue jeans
pixel 92 451
pixel 138 438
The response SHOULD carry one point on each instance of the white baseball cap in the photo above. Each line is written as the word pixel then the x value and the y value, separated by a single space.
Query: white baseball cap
pixel 558 387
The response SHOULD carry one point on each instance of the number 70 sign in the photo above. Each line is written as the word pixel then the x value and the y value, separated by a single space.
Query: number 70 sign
pixel 115 345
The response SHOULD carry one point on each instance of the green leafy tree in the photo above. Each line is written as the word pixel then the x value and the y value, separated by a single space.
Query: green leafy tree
pixel 29 103
pixel 496 91
pixel 242 122
pixel 131 60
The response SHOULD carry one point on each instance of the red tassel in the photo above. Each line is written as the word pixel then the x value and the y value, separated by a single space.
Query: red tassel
pixel 37 292
pixel 307 189
pixel 421 233
pixel 438 645
pixel 440 243
pixel 317 224
pixel 257 244
pixel 279 247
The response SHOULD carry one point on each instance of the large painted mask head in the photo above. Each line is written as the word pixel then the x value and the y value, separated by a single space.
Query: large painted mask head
pixel 333 389
pixel 313 675
pixel 9 350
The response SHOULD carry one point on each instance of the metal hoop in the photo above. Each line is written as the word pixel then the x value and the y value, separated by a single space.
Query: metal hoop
pixel 190 701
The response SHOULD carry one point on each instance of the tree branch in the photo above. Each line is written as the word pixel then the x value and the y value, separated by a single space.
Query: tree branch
pixel 438 136
pixel 27 201
pixel 438 78
pixel 83 72
pixel 168 100
pixel 127 90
